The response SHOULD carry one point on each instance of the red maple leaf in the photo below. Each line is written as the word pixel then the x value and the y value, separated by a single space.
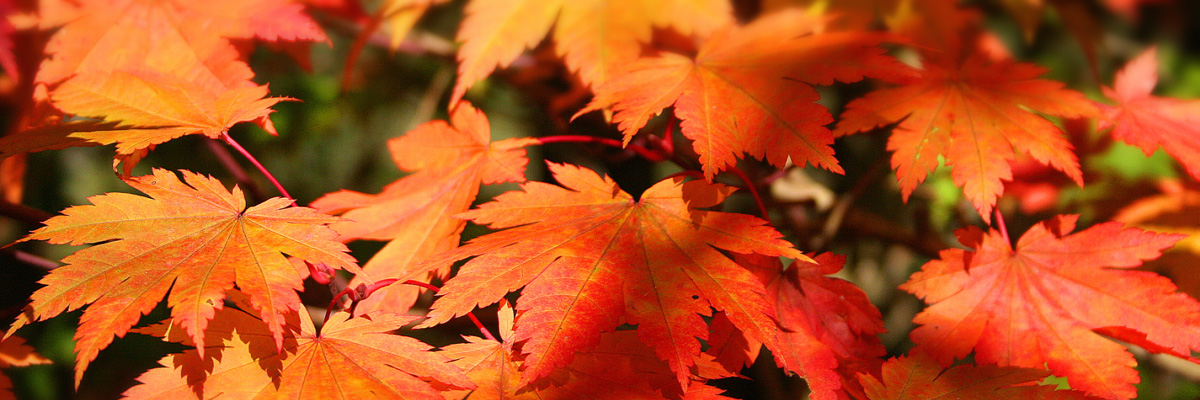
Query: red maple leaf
pixel 591 257
pixel 1046 302
pixel 828 326
pixel 1150 122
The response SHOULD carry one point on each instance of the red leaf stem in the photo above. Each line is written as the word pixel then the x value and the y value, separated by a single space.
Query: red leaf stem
pixel 648 154
pixel 229 139
pixel 471 315
pixel 762 208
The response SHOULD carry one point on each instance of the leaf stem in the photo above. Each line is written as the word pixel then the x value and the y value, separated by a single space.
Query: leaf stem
pixel 239 173
pixel 471 315
pixel 1002 227
pixel 648 154
pixel 357 294
pixel 229 139
pixel 762 208
pixel 667 142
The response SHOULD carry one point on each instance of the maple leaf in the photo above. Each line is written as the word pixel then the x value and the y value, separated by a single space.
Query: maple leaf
pixel 976 112
pixel 162 69
pixel 1045 302
pixel 195 240
pixel 748 90
pixel 416 214
pixel 1150 122
pixel 157 108
pixel 619 367
pixel 112 35
pixel 15 353
pixel 589 255
pixel 828 326
pixel 350 358
pixel 828 323
pixel 592 36
pixel 920 377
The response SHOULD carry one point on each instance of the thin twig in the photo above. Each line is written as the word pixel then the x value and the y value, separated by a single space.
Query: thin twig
pixel 240 149
pixel 239 174
pixel 433 94
pixel 868 224
pixel 31 259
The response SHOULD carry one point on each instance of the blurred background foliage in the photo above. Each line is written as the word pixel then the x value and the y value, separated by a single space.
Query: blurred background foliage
pixel 333 137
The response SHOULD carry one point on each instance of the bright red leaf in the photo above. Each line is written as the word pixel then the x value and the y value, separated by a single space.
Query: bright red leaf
pixel 195 240
pixel 828 326
pixel 591 257
pixel 1044 302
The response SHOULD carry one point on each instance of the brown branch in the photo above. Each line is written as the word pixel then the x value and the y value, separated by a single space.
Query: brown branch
pixel 836 217
pixel 23 213
pixel 868 224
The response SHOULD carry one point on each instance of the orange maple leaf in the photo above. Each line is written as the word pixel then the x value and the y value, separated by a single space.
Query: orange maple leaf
pixel 748 90
pixel 15 353
pixel 976 113
pixel 350 358
pixel 593 36
pixel 194 240
pixel 1149 121
pixel 919 376
pixel 619 367
pixel 1045 302
pixel 590 256
pixel 416 214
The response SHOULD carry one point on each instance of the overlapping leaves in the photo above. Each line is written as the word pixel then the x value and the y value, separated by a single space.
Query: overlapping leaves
pixel 191 238
pixel 591 257
pixel 416 214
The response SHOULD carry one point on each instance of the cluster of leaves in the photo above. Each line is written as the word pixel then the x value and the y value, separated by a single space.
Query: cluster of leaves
pixel 615 295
